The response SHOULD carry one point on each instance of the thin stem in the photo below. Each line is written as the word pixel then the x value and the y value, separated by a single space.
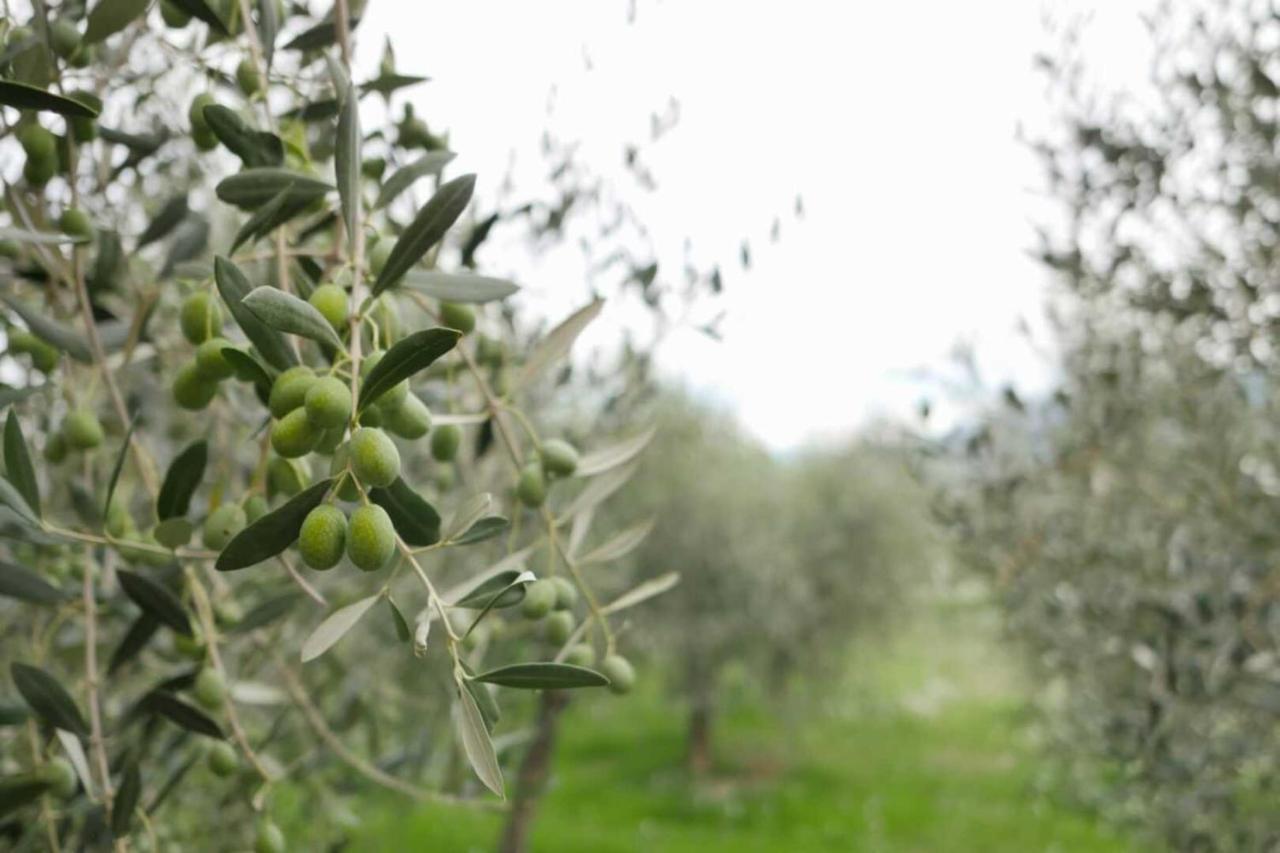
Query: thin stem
pixel 96 741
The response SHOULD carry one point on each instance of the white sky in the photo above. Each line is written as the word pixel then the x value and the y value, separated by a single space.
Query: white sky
pixel 895 121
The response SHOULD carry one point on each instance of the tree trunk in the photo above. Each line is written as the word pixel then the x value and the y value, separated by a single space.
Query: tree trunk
pixel 531 781
pixel 698 754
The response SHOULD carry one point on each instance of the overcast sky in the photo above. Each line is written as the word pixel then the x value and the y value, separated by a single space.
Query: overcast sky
pixel 895 121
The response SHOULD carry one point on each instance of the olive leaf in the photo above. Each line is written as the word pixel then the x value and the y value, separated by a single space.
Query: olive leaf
pixel 483 694
pixel 17 463
pixel 347 164
pixel 321 35
pixel 505 589
pixel 201 10
pixel 79 761
pixel 119 465
pixel 247 368
pixel 166 219
pixel 10 497
pixel 17 791
pixel 415 520
pixel 49 699
pixel 253 188
pixel 109 17
pixel 643 592
pixel 459 287
pixel 385 84
pixel 189 242
pixel 39 238
pixel 255 148
pixel 484 528
pixel 154 599
pixel 599 490
pixel 475 740
pixel 25 585
pixel 134 641
pixel 180 713
pixel 267 612
pixel 24 97
pixel 401 624
pixel 126 800
pixel 467 513
pixel 401 179
pixel 619 545
pixel 558 341
pixel 51 331
pixel 182 480
pixel 405 358
pixel 268 29
pixel 282 207
pixel 502 598
pixel 543 676
pixel 288 313
pixel 334 627
pixel 272 533
pixel 233 286
pixel 426 229
pixel 106 261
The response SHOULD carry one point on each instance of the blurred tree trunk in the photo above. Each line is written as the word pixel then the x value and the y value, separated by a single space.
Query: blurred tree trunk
pixel 531 781
pixel 701 715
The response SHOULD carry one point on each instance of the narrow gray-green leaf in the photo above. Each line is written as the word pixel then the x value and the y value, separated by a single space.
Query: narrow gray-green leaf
pixel 599 461
pixel 475 741
pixel 543 676
pixel 181 481
pixel 643 592
pixel 321 35
pixel 405 358
pixel 181 714
pixel 134 640
pixel 253 188
pixel 51 331
pixel 233 286
pixel 17 791
pixel 598 491
pixel 334 627
pixel 288 313
pixel 39 238
pixel 347 164
pixel 385 84
pixel 109 17
pixel 401 179
pixel 414 518
pixel 504 589
pixel 10 497
pixel 486 528
pixel 282 207
pixel 24 97
pixel 403 633
pixel 272 533
pixel 48 698
pixel 558 341
pixel 170 214
pixel 459 287
pixel 203 11
pixel 426 230
pixel 467 513
pixel 17 463
pixel 25 585
pixel 255 148
pixel 155 600
pixel 119 466
pixel 126 800
pixel 620 545
pixel 268 29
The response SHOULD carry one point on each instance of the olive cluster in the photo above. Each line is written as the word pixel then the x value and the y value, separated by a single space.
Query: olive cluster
pixel 201 320
pixel 551 601
pixel 47 154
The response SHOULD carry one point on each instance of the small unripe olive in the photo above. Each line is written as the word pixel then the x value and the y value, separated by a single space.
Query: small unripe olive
pixel 331 301
pixel 85 129
pixel 566 593
pixel 378 255
pixel 247 77
pixel 289 391
pixel 211 363
pixel 559 458
pixel 373 167
pixel 411 419
pixel 84 56
pixel 201 317
pixel 532 486
pixel 323 537
pixel 119 523
pixel 204 138
pixel 64 37
pixel 458 316
pixel 38 143
pixel 173 15
pixel 445 476
pixel 61 777
pixel 255 507
pixel 392 397
pixel 75 222
pixel 374 458
pixel 190 647
pixel 269 838
pixel 371 416
pixel 539 598
pixel 444 442
pixel 387 320
pixel 82 429
pixel 20 340
pixel 330 439
pixel 228 611
pixel 294 435
pixel 209 689
pixel 44 357
pixel 191 389
pixel 222 524
pixel 328 402
pixel 38 171
pixel 222 759
pixel 286 476
pixel 490 351
pixel 371 538
pixel 580 654
pixel 55 448
pixel 196 112
pixel 621 675
pixel 559 626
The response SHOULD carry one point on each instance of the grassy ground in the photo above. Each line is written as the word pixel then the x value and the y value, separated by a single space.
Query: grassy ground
pixel 923 750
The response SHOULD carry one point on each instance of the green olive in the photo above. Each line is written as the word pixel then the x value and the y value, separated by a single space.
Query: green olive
pixel 248 78
pixel 211 364
pixel 82 429
pixel 294 435
pixel 379 252
pixel 190 647
pixel 55 448
pixel 444 442
pixel 61 777
pixel 621 675
pixel 209 689
pixel 269 838
pixel 411 419
pixel 566 593
pixel 222 524
pixel 286 476
pixel 191 389
pixel 371 538
pixel 458 316
pixel 119 523
pixel 371 416
pixel 373 168
pixel 44 357
pixel 38 171
pixel 331 301
pixel 255 507
pixel 323 537
pixel 64 37
pixel 328 402
pixel 330 440
pixel 200 317
pixel 85 129
pixel 559 627
pixel 580 654
pixel 490 351
pixel 289 391
pixel 75 223
pixel 374 458
pixel 38 143
pixel 205 139
pixel 559 458
pixel 196 113
pixel 539 598
pixel 222 759
pixel 531 489
pixel 445 476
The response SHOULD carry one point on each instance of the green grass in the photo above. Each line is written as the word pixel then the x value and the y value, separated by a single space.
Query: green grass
pixel 896 760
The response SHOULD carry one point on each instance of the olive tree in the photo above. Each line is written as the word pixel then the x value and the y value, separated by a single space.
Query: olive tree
pixel 273 486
